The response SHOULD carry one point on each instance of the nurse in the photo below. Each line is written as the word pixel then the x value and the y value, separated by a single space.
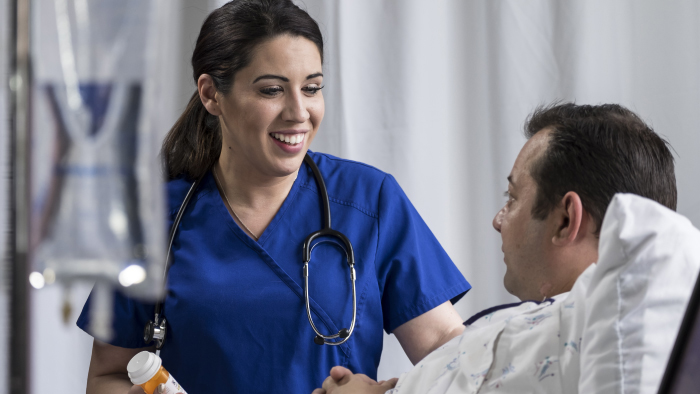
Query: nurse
pixel 235 301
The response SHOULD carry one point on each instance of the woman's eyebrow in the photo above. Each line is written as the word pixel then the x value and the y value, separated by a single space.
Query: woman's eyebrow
pixel 270 76
pixel 284 79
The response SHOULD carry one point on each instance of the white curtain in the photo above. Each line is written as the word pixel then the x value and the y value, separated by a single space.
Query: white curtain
pixel 436 92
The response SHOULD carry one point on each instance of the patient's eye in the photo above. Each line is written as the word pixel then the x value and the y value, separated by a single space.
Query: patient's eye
pixel 509 196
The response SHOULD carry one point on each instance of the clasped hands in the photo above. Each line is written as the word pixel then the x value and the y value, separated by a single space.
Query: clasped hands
pixel 343 381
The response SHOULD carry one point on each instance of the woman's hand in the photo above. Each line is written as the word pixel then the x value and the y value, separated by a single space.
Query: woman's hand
pixel 136 390
pixel 343 381
pixel 107 373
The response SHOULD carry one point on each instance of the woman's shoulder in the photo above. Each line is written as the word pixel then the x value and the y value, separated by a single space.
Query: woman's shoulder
pixel 176 190
pixel 349 169
pixel 350 182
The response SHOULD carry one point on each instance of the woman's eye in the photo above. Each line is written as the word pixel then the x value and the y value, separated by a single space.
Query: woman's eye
pixel 271 91
pixel 313 89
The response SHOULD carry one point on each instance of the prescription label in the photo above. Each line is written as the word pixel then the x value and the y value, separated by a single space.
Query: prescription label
pixel 172 387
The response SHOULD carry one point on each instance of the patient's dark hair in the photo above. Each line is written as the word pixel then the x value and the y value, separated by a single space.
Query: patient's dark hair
pixel 225 45
pixel 597 151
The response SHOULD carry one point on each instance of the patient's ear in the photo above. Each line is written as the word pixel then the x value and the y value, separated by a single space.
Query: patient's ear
pixel 569 219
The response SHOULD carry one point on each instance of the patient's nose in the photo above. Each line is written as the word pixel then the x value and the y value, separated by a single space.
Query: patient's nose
pixel 497 220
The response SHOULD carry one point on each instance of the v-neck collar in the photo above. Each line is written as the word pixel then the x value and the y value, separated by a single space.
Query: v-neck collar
pixel 211 191
pixel 266 234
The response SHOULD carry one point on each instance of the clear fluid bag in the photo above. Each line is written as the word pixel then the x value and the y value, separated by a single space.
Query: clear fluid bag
pixel 97 189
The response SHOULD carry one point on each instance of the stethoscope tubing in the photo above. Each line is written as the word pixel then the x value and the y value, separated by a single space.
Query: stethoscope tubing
pixel 155 329
pixel 322 191
pixel 311 320
pixel 173 231
pixel 351 264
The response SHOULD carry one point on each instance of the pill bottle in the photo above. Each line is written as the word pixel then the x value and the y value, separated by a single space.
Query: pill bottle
pixel 145 370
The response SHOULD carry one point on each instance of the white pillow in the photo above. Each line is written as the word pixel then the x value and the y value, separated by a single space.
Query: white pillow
pixel 649 257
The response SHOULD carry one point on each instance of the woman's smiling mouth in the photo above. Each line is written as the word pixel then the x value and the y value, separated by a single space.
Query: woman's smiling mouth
pixel 289 139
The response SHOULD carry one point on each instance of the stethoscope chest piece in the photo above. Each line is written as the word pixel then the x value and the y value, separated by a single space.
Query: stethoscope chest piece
pixel 155 332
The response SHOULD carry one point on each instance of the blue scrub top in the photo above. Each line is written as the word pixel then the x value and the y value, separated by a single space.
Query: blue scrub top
pixel 235 307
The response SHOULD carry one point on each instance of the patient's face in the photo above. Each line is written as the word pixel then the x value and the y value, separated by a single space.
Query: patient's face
pixel 525 239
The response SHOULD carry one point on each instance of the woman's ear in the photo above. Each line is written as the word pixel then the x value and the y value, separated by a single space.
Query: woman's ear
pixel 208 94
pixel 570 216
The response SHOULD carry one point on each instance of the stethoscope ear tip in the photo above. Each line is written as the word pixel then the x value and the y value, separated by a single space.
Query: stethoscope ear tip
pixel 319 340
pixel 344 333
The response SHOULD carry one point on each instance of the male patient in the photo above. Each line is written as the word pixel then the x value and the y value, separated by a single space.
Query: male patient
pixel 576 158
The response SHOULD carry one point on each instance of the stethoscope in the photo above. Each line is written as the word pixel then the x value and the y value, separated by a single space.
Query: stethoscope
pixel 156 329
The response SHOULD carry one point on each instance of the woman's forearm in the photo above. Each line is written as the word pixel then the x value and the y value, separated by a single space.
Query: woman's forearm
pixel 107 373
pixel 427 332
pixel 110 384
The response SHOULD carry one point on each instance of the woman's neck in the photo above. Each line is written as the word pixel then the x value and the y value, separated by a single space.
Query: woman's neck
pixel 250 196
pixel 250 188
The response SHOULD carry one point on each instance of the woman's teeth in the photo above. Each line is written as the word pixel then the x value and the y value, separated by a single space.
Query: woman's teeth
pixel 289 139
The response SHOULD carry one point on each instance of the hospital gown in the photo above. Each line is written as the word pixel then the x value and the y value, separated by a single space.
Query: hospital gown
pixel 528 347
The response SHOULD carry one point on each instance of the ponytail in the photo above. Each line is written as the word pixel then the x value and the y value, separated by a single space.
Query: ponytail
pixel 193 145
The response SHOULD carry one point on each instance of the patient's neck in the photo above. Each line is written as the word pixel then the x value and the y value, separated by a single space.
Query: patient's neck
pixel 567 266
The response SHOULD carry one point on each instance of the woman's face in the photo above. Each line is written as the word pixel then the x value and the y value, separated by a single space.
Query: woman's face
pixel 274 108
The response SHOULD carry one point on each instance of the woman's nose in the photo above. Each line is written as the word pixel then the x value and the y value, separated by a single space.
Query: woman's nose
pixel 296 110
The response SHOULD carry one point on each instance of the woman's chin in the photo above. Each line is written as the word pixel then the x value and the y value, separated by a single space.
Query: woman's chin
pixel 288 165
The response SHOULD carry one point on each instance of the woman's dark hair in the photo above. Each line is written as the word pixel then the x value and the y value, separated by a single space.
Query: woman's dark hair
pixel 597 151
pixel 225 44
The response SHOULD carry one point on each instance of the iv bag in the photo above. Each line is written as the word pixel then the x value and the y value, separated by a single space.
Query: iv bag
pixel 97 190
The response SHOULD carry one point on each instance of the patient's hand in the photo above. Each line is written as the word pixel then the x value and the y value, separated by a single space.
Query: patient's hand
pixel 343 381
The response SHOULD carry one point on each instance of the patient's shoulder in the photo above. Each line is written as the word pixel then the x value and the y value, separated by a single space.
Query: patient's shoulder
pixel 505 312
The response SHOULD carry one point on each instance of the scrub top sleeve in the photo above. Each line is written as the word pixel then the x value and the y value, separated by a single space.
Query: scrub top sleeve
pixel 129 319
pixel 415 273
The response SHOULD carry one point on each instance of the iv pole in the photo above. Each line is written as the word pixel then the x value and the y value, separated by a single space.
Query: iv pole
pixel 19 61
